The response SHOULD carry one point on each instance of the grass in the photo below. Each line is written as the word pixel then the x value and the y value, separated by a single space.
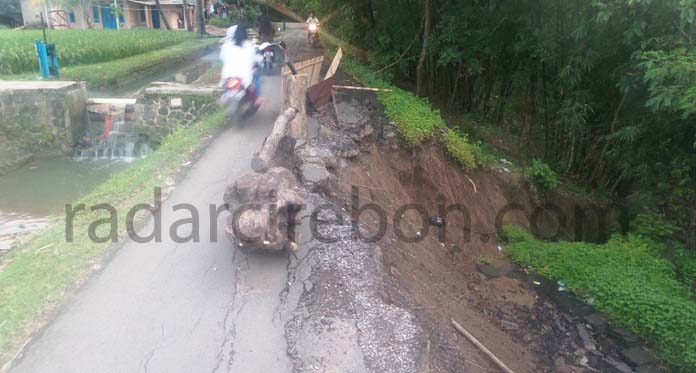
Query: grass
pixel 416 120
pixel 116 73
pixel 43 269
pixel 628 280
pixel 77 47
pixel 457 145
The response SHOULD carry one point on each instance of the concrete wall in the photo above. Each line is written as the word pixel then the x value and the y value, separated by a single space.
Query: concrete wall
pixel 30 11
pixel 39 117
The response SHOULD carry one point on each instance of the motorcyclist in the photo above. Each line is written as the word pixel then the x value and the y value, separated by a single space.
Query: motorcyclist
pixel 266 29
pixel 239 58
pixel 312 20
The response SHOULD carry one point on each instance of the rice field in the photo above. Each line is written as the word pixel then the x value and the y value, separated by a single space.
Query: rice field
pixel 77 47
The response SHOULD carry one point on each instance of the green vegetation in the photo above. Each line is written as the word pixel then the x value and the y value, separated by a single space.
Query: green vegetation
pixel 599 93
pixel 458 147
pixel 602 91
pixel 542 175
pixel 77 47
pixel 221 22
pixel 116 73
pixel 243 10
pixel 626 279
pixel 36 276
pixel 483 259
pixel 416 121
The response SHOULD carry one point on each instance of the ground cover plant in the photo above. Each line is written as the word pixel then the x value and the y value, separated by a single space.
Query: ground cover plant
pixel 627 279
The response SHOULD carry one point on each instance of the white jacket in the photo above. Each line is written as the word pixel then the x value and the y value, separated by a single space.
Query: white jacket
pixel 237 61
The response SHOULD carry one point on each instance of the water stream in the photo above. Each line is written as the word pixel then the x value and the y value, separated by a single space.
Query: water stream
pixel 32 193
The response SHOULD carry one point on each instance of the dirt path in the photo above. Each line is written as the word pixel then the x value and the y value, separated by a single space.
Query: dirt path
pixel 165 306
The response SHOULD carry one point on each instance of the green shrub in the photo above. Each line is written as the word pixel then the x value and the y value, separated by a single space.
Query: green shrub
pixel 653 226
pixel 685 262
pixel 636 288
pixel 457 145
pixel 542 175
pixel 221 22
pixel 483 259
pixel 415 119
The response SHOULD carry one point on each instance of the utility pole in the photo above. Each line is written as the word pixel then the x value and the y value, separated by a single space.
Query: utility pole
pixel 201 17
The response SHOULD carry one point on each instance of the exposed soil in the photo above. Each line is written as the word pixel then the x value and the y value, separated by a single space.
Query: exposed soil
pixel 440 276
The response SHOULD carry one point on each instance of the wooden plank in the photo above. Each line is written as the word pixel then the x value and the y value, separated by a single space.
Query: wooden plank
pixel 320 94
pixel 334 64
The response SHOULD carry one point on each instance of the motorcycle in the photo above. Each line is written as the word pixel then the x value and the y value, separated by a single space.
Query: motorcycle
pixel 313 34
pixel 267 50
pixel 239 100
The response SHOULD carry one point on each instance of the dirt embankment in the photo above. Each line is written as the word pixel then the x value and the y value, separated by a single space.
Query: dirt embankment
pixel 433 255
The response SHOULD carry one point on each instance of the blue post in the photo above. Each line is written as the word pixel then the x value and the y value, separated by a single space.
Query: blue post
pixel 283 25
pixel 43 59
pixel 48 59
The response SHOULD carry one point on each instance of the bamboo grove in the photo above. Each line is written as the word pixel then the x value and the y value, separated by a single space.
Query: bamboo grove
pixel 602 90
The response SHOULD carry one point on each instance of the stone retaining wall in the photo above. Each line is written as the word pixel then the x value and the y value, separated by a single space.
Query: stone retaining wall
pixel 166 106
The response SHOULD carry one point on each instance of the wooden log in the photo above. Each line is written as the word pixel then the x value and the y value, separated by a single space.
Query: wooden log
pixel 297 98
pixel 263 158
pixel 483 348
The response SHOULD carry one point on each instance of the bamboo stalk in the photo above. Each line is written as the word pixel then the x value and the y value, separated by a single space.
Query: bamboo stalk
pixel 483 348
pixel 361 88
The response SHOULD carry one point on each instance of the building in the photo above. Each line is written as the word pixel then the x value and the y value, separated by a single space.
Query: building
pixel 131 14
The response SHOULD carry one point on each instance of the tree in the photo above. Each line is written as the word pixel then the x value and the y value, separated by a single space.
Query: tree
pixel 424 50
pixel 10 12
pixel 602 90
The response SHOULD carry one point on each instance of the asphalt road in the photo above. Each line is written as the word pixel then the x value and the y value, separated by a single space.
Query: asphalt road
pixel 166 307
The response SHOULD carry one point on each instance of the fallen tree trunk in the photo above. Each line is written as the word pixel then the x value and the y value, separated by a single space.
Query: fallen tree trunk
pixel 263 159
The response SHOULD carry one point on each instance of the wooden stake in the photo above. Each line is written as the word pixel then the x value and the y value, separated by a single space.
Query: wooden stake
pixel 483 348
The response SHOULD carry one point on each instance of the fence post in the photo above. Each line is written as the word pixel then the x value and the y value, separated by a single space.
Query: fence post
pixel 296 97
